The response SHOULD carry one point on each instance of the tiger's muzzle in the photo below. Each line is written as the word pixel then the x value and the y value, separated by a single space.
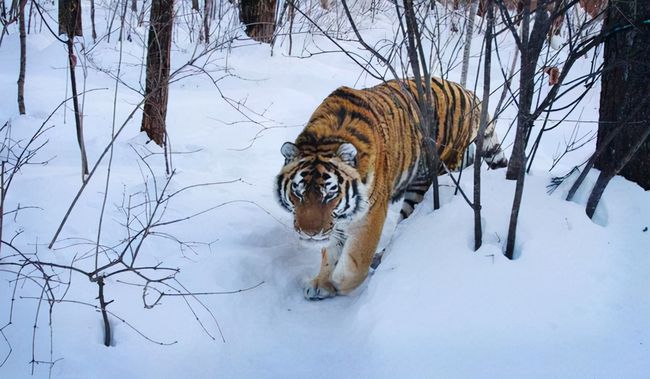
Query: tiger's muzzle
pixel 313 219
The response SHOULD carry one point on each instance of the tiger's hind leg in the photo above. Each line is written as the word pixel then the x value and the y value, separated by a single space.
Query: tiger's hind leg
pixel 414 194
pixel 492 152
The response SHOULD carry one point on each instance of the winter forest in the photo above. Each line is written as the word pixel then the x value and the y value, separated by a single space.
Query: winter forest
pixel 143 229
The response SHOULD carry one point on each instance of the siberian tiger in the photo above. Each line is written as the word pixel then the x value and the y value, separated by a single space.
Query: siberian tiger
pixel 361 150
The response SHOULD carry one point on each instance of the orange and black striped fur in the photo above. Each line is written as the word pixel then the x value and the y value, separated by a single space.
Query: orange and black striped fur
pixel 361 150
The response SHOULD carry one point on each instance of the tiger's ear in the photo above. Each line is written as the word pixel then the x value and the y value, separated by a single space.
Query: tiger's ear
pixel 348 153
pixel 290 151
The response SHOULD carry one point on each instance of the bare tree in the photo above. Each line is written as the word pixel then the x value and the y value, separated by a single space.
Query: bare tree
pixel 158 67
pixel 529 44
pixel 208 12
pixel 480 137
pixel 428 119
pixel 624 127
pixel 23 56
pixel 469 34
pixel 70 25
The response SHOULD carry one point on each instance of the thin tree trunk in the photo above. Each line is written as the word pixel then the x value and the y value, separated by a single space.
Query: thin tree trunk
pixel 158 66
pixel 607 175
pixel 2 198
pixel 207 13
pixel 292 15
pixel 72 62
pixel 23 57
pixel 102 306
pixel 428 124
pixel 469 33
pixel 590 163
pixel 70 24
pixel 531 46
pixel 92 20
pixel 478 230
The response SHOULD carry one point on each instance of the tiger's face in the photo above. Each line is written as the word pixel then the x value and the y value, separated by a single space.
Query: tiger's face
pixel 322 189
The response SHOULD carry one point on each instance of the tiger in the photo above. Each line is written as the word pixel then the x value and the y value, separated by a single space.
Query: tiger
pixel 361 150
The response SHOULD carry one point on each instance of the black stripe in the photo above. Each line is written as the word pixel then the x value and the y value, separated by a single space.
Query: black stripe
pixel 281 191
pixel 358 135
pixel 355 192
pixel 451 110
pixel 341 115
pixel 353 98
pixel 410 202
pixel 347 198
pixel 417 191
pixel 463 106
pixel 494 150
pixel 360 116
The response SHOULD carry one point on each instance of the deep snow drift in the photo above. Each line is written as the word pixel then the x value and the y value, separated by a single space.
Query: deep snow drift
pixel 574 304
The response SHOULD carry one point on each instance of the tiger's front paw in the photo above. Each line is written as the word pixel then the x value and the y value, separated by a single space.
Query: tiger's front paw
pixel 318 290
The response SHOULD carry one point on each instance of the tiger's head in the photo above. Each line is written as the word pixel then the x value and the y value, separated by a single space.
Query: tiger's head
pixel 322 189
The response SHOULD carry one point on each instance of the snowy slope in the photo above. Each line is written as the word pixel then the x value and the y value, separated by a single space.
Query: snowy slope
pixel 574 304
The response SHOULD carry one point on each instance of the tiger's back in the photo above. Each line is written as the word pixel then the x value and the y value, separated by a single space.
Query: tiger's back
pixel 379 122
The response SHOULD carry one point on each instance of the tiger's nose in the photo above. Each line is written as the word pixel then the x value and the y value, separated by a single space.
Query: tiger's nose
pixel 308 232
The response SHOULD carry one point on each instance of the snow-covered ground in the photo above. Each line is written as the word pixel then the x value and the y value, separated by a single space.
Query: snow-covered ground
pixel 574 304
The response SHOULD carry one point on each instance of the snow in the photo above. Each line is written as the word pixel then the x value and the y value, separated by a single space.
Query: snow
pixel 573 304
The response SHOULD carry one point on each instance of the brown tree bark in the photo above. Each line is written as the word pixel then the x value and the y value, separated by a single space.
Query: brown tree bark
pixel 70 18
pixel 624 99
pixel 158 66
pixel 259 18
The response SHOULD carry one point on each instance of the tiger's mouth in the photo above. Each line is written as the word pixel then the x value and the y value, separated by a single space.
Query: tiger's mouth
pixel 314 239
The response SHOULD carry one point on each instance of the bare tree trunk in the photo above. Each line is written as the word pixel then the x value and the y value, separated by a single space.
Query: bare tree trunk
pixel 530 46
pixel 2 197
pixel 469 33
pixel 606 175
pixel 70 24
pixel 624 99
pixel 72 62
pixel 102 306
pixel 207 14
pixel 478 230
pixel 23 57
pixel 590 163
pixel 158 66
pixel 92 20
pixel 70 18
pixel 428 123
pixel 292 15
pixel 259 18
